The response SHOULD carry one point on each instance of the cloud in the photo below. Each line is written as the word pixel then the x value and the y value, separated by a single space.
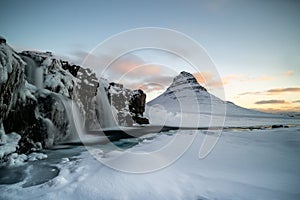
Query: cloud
pixel 273 101
pixel 128 66
pixel 208 79
pixel 279 110
pixel 133 66
pixel 233 77
pixel 150 84
pixel 288 73
pixel 89 60
pixel 261 78
pixel 282 90
pixel 150 87
pixel 274 91
pixel 213 81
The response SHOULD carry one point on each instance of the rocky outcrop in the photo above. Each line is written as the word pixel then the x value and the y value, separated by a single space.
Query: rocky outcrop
pixel 2 40
pixel 137 106
pixel 129 104
pixel 11 78
pixel 38 113
pixel 86 89
pixel 41 97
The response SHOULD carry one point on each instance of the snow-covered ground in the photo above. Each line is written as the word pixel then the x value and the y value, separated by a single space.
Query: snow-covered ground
pixel 257 164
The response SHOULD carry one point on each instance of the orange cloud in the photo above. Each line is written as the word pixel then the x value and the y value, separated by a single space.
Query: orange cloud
pixel 132 65
pixel 262 78
pixel 208 79
pixel 288 73
pixel 203 77
pixel 233 77
pixel 213 81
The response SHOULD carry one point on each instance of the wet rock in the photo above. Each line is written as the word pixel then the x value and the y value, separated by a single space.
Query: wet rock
pixel 129 104
pixel 277 126
pixel 137 106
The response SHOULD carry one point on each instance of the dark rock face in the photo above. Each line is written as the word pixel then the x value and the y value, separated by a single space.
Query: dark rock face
pixel 2 40
pixel 279 126
pixel 137 106
pixel 23 120
pixel 73 69
pixel 129 104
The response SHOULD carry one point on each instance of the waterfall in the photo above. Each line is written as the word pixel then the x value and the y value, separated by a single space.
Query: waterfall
pixel 76 121
pixel 65 111
pixel 34 73
pixel 103 109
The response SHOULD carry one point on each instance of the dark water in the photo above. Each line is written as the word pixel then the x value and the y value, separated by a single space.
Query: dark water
pixel 12 175
pixel 38 172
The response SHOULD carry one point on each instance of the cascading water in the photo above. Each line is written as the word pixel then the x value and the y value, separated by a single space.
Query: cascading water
pixel 76 129
pixel 63 112
pixel 103 109
pixel 34 73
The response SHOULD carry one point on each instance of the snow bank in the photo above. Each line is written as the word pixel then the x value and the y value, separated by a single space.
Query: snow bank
pixel 36 156
pixel 15 159
pixel 261 164
pixel 8 146
pixel 158 115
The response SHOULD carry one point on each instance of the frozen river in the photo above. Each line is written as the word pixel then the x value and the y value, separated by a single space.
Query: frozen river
pixel 245 164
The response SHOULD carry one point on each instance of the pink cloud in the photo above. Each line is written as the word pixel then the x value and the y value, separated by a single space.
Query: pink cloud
pixel 208 79
pixel 213 81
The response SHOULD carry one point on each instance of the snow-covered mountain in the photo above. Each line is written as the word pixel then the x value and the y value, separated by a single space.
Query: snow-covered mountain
pixel 186 100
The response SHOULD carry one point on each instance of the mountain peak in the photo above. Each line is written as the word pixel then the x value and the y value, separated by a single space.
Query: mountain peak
pixel 184 73
pixel 186 80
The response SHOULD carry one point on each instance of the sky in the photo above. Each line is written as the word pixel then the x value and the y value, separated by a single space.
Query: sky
pixel 254 45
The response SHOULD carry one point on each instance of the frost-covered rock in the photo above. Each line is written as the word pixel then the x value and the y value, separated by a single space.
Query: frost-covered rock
pixel 33 98
pixel 11 78
pixel 129 104
pixel 8 142
pixel 54 77
pixel 45 99
pixel 86 89
pixel 36 156
pixel 15 160
pixel 119 98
